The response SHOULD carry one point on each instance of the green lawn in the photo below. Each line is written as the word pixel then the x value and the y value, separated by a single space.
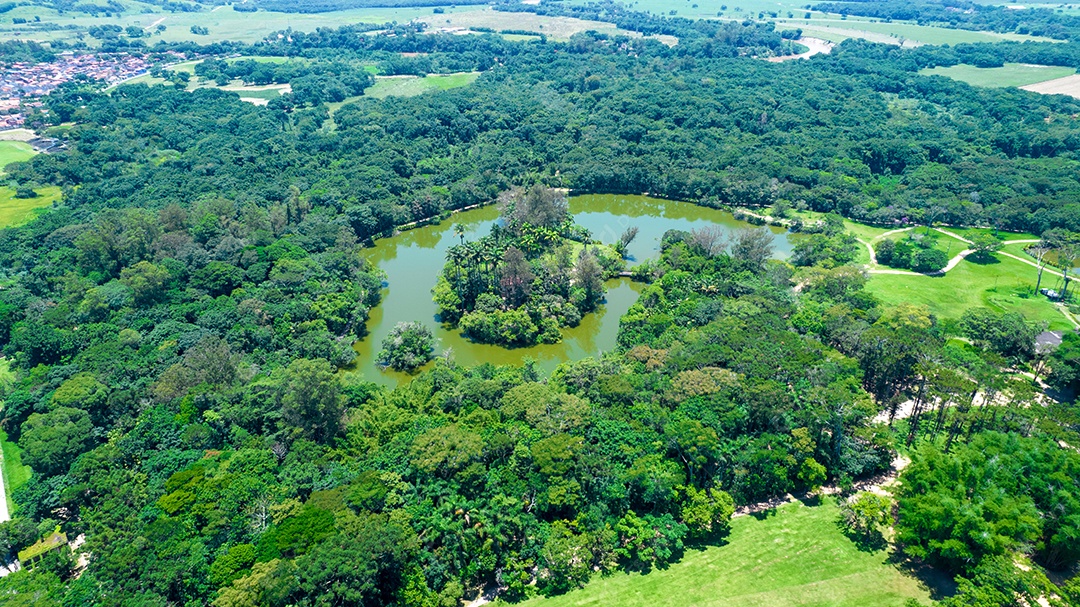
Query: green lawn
pixel 1011 74
pixel 408 86
pixel 15 472
pixel 15 211
pixel 11 466
pixel 1004 286
pixel 796 557
pixel 14 151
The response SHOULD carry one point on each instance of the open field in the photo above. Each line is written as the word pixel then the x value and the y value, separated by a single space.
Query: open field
pixel 879 31
pixel 1009 75
pixel 795 556
pixel 1069 85
pixel 15 472
pixel 556 28
pixel 1004 285
pixel 16 211
pixel 410 86
pixel 14 151
pixel 224 23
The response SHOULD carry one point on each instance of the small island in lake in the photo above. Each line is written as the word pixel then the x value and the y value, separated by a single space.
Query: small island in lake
pixel 535 273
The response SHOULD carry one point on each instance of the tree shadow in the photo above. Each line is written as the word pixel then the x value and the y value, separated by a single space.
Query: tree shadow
pixel 810 500
pixel 765 514
pixel 983 260
pixel 940 584
pixel 869 541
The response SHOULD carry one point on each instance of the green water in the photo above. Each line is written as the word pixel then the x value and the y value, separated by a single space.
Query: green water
pixel 412 261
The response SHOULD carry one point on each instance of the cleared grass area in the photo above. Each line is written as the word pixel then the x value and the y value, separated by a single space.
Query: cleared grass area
pixel 15 472
pixel 17 211
pixel 1004 285
pixel 1009 75
pixel 879 31
pixel 411 86
pixel 14 151
pixel 796 557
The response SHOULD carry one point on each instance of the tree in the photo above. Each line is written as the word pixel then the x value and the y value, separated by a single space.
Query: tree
pixel 589 277
pixel 311 399
pixel 409 346
pixel 515 277
pixel 52 440
pixel 929 261
pixel 146 280
pixel 866 514
pixel 363 565
pixel 984 244
pixel 752 247
pixel 1039 252
pixel 706 512
pixel 1007 333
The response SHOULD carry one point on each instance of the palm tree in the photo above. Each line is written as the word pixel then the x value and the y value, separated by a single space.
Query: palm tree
pixel 459 229
pixel 456 256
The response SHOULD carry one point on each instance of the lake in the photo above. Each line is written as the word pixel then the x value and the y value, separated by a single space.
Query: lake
pixel 413 259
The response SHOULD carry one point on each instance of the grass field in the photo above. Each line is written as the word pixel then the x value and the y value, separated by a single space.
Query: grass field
pixel 1004 286
pixel 11 466
pixel 16 211
pixel 1009 75
pixel 556 28
pixel 408 87
pixel 879 31
pixel 14 151
pixel 796 557
pixel 15 473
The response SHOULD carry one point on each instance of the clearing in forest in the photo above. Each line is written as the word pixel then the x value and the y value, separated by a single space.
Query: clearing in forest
pixel 1069 85
pixel 1009 75
pixel 14 151
pixel 408 86
pixel 17 211
pixel 793 556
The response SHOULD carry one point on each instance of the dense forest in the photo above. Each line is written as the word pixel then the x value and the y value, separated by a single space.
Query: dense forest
pixel 176 323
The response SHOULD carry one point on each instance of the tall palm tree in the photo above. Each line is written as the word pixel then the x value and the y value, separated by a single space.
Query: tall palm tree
pixel 459 229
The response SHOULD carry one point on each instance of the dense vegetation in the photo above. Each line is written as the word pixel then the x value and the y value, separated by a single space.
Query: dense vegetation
pixel 177 322
pixel 532 276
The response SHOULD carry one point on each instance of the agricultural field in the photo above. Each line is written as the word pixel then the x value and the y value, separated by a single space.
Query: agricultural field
pixel 1009 75
pixel 14 151
pixel 1068 85
pixel 16 211
pixel 222 22
pixel 795 555
pixel 556 28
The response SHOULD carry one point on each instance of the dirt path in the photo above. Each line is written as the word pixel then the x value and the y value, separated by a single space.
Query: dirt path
pixel 876 484
pixel 870 250
pixel 155 24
